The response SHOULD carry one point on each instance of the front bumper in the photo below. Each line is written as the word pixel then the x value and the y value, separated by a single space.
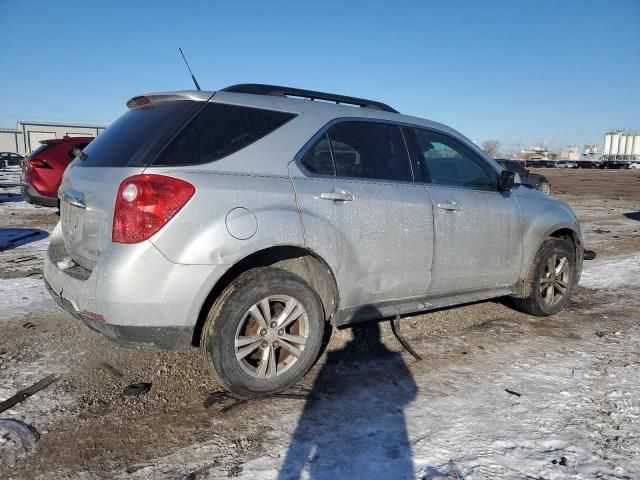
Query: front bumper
pixel 134 294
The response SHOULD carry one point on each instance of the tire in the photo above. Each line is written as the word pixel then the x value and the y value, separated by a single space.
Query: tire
pixel 540 282
pixel 238 318
pixel 544 187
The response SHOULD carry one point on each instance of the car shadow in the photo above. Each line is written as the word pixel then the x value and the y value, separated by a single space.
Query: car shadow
pixel 633 215
pixel 10 197
pixel 353 424
pixel 11 238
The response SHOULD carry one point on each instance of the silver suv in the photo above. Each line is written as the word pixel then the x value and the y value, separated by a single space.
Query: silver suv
pixel 240 221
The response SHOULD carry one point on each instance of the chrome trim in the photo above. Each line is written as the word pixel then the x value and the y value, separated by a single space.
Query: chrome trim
pixel 72 197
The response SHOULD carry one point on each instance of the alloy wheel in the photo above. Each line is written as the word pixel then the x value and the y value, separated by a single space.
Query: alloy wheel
pixel 271 336
pixel 554 282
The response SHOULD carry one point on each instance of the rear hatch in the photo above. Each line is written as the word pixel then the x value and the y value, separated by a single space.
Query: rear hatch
pixel 90 184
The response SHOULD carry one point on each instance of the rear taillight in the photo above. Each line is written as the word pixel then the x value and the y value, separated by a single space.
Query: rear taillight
pixel 39 163
pixel 145 203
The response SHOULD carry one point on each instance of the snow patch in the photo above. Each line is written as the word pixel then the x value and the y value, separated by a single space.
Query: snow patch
pixel 620 272
pixel 24 295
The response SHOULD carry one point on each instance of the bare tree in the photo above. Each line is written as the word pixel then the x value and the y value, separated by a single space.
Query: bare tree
pixel 491 147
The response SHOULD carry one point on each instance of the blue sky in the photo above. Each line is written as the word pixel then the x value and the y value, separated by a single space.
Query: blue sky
pixel 559 72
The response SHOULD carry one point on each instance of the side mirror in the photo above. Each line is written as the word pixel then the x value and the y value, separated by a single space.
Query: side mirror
pixel 507 181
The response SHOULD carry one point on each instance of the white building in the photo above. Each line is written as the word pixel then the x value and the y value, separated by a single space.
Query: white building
pixel 570 153
pixel 27 136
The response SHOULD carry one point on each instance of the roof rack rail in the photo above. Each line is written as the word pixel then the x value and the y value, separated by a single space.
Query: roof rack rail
pixel 278 91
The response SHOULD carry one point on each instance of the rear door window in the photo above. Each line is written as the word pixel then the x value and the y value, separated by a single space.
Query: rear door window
pixel 218 131
pixel 369 150
pixel 318 159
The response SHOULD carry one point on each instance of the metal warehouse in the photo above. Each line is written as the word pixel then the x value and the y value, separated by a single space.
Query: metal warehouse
pixel 27 135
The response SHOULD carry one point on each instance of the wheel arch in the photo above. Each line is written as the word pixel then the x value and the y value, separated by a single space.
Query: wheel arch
pixel 563 231
pixel 300 261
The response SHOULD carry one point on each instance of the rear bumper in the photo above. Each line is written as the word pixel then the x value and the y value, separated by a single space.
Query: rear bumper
pixel 31 195
pixel 168 338
pixel 142 298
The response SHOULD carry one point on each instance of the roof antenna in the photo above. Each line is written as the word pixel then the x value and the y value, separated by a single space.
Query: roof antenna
pixel 192 76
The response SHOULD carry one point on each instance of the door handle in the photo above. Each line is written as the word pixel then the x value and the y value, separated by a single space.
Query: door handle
pixel 449 206
pixel 337 196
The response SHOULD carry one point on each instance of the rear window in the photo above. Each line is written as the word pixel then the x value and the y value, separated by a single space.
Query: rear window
pixel 138 128
pixel 38 150
pixel 218 131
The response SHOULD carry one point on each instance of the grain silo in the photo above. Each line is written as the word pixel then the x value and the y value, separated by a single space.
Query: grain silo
pixel 607 144
pixel 615 139
pixel 629 145
pixel 622 145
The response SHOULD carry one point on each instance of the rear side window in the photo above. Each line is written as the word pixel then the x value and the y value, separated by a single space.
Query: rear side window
pixel 369 150
pixel 118 144
pixel 218 131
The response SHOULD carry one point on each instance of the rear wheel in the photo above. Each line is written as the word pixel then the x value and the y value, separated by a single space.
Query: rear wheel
pixel 550 281
pixel 263 333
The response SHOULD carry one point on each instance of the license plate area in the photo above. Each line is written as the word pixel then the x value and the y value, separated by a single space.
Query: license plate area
pixel 72 220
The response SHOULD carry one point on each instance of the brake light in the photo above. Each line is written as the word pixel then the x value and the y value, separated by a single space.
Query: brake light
pixel 138 102
pixel 145 203
pixel 39 163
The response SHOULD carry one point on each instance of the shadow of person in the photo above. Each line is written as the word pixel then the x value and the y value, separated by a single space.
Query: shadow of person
pixel 353 424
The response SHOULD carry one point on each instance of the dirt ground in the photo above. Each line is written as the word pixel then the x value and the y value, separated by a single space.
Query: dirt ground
pixel 89 429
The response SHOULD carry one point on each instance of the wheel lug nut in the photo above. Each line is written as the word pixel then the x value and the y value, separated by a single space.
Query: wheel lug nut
pixel 263 332
pixel 276 344
pixel 281 332
pixel 273 325
pixel 264 344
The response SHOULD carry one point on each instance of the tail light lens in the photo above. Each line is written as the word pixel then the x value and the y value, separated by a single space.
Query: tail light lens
pixel 145 203
pixel 39 163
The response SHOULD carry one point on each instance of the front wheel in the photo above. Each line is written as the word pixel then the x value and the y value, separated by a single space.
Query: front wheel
pixel 264 332
pixel 545 188
pixel 550 281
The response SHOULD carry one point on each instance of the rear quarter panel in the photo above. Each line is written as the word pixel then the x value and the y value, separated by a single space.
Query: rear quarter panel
pixel 199 233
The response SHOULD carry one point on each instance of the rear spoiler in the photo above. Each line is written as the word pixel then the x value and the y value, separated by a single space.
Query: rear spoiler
pixel 55 141
pixel 155 98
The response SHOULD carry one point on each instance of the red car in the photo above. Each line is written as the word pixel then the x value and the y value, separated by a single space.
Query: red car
pixel 42 170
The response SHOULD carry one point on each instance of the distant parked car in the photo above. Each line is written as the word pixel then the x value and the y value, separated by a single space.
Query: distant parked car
pixel 535 180
pixel 588 164
pixel 564 164
pixel 10 158
pixel 634 166
pixel 615 165
pixel 42 170
pixel 540 163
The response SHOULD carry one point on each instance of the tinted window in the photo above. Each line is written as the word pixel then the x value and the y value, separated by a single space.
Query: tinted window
pixel 449 162
pixel 38 150
pixel 117 145
pixel 318 158
pixel 369 150
pixel 220 130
